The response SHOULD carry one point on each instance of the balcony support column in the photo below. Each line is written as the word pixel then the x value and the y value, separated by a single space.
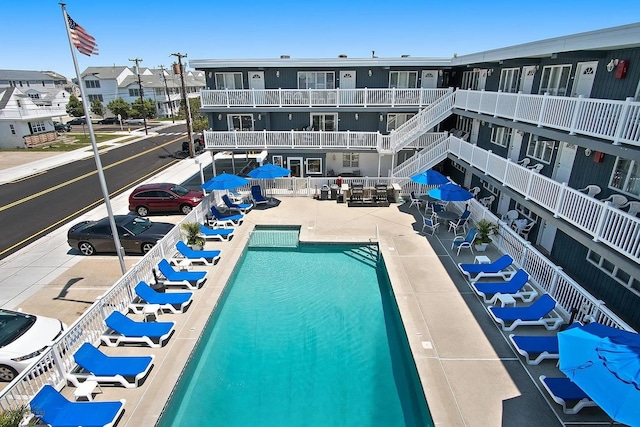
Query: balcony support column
pixel 622 121
pixel 543 108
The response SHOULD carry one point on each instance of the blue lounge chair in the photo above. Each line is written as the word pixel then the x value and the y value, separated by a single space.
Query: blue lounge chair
pixel 565 392
pixel 194 256
pixel 94 365
pixel 218 219
pixel 502 267
pixel 517 286
pixel 56 411
pixel 222 234
pixel 464 242
pixel 257 197
pixel 189 279
pixel 536 348
pixel 175 302
pixel 123 330
pixel 541 312
pixel 242 208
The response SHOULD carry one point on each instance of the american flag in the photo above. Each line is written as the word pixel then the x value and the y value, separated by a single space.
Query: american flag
pixel 85 42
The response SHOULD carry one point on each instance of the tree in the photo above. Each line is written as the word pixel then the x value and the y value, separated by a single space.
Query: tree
pixel 147 109
pixel 97 108
pixel 198 121
pixel 75 107
pixel 120 106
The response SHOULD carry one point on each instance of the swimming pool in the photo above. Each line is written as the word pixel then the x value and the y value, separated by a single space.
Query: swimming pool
pixel 308 336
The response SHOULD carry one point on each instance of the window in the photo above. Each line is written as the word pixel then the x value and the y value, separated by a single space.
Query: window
pixel 240 122
pixel 95 97
pixel 276 160
pixel 526 212
pixel 491 188
pixel 613 271
pixel 134 92
pixel 540 149
pixel 394 121
pixel 626 177
pixel 13 129
pixel 403 79
pixel 460 167
pixel 37 127
pixel 316 80
pixel 92 84
pixel 470 80
pixel 228 81
pixel 350 160
pixel 324 122
pixel 501 135
pixel 314 166
pixel 464 124
pixel 555 80
pixel 34 95
pixel 509 78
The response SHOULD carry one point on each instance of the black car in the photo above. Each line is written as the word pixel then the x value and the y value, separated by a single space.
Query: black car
pixel 136 234
pixel 109 121
pixel 78 121
pixel 62 127
pixel 198 146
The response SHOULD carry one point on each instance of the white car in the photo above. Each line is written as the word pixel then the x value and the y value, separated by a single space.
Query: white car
pixel 133 121
pixel 23 337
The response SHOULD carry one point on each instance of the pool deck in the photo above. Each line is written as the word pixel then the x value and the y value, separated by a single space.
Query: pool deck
pixel 470 374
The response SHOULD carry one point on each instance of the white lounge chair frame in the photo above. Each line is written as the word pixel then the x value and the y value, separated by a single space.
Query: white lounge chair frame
pixel 78 375
pixel 584 403
pixel 530 361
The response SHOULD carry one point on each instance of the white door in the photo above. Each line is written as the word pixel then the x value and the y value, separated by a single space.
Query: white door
pixel 528 73
pixel 429 79
pixel 583 81
pixel 294 164
pixel 347 79
pixel 564 162
pixel 256 82
pixel 482 79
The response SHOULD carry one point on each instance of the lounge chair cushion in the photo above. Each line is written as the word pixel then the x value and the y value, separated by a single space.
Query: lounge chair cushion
pixel 97 363
pixel 132 329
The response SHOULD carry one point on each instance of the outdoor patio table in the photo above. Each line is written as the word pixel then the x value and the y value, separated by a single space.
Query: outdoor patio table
pixel 447 215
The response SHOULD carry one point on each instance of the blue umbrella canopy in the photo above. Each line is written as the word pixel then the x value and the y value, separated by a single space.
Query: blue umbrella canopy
pixel 224 181
pixel 269 171
pixel 605 363
pixel 450 192
pixel 430 177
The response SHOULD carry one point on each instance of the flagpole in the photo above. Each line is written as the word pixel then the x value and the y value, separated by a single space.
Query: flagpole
pixel 96 154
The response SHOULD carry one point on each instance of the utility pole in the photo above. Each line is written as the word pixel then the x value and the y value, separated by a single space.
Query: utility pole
pixel 180 70
pixel 166 90
pixel 141 93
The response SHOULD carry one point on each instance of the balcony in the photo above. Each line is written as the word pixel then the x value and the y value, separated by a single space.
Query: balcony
pixel 380 97
pixel 32 113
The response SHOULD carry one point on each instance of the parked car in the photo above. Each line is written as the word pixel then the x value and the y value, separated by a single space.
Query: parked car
pixel 133 121
pixel 62 127
pixel 163 197
pixel 198 145
pixel 24 337
pixel 78 121
pixel 136 234
pixel 109 121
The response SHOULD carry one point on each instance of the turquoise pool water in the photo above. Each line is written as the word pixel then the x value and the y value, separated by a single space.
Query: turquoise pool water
pixel 302 337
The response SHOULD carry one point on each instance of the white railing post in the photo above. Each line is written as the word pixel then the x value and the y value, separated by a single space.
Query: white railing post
pixel 393 97
pixel 466 101
pixel 560 201
pixel 348 138
pixel 366 96
pixel 495 110
pixel 600 226
pixel 253 97
pixel 529 185
pixel 515 112
pixel 542 108
pixel 421 97
pixel 506 170
pixel 576 113
pixel 554 281
pixel 480 102
pixel 264 137
pixel 293 136
pixel 280 97
pixel 226 90
pixel 622 121
pixel 486 165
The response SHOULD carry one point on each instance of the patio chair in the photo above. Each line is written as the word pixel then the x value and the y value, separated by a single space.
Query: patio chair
pixel 189 279
pixel 220 219
pixel 257 197
pixel 242 208
pixel 94 365
pixel 431 224
pixel 517 287
pixel 634 208
pixel 487 201
pixel 55 410
pixel 174 302
pixel 541 312
pixel 510 216
pixel 415 200
pixel 188 256
pixel 536 348
pixel 461 223
pixel 235 196
pixel 464 242
pixel 122 330
pixel 566 393
pixel 475 191
pixel 591 190
pixel 536 168
pixel 220 234
pixel 524 232
pixel 502 267
pixel 617 200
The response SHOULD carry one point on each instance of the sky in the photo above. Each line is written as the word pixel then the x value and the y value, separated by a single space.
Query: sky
pixel 34 37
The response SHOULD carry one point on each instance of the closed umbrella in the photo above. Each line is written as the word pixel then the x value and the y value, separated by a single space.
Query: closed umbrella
pixel 450 192
pixel 269 171
pixel 430 177
pixel 605 363
pixel 224 181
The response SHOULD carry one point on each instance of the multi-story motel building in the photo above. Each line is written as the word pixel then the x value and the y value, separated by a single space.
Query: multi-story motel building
pixel 548 132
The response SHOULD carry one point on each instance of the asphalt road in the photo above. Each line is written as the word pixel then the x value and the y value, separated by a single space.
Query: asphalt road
pixel 34 206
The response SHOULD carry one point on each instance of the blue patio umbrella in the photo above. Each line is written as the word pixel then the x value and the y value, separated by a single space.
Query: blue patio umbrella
pixel 450 192
pixel 269 171
pixel 224 181
pixel 430 177
pixel 605 363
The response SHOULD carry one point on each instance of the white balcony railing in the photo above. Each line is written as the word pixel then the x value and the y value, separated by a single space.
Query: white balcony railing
pixel 617 121
pixel 32 113
pixel 379 97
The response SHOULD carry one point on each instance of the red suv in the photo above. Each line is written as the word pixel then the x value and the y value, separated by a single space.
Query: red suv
pixel 163 198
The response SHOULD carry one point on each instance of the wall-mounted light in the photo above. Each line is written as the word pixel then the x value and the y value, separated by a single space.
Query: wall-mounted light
pixel 278 73
pixel 357 117
pixel 259 116
pixel 370 73
pixel 612 64
pixel 381 117
pixel 289 116
pixel 440 73
pixel 210 74
pixel 587 152
pixel 489 72
pixel 537 67
pixel 219 116
pixel 520 132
